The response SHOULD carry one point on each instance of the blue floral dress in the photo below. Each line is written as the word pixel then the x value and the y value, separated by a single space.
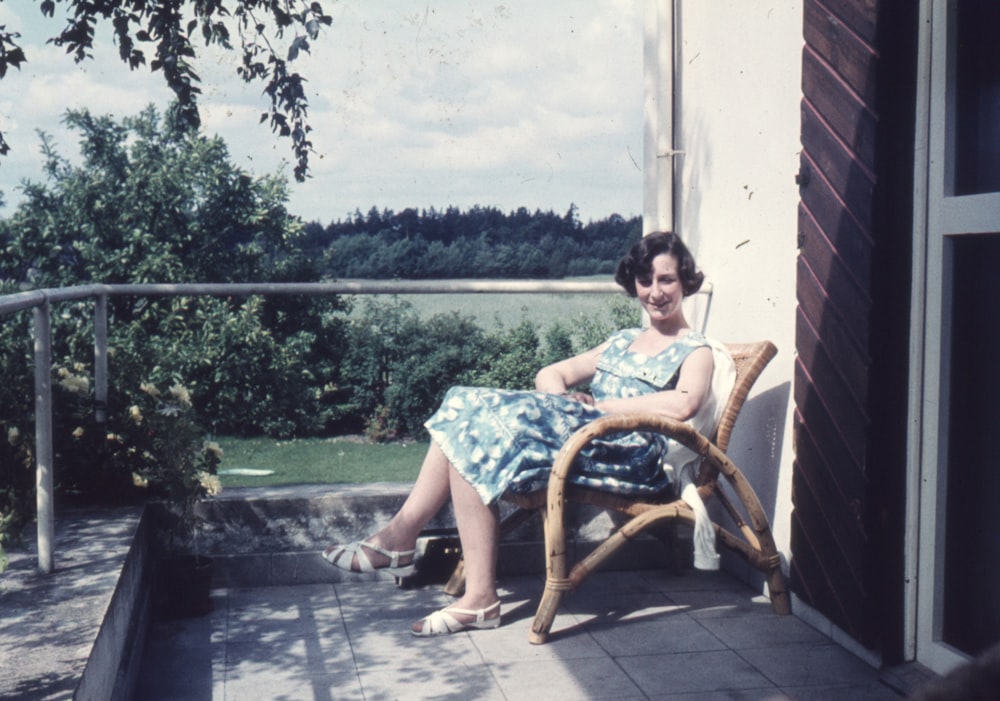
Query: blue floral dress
pixel 502 440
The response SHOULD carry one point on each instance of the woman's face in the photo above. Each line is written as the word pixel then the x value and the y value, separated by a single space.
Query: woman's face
pixel 660 292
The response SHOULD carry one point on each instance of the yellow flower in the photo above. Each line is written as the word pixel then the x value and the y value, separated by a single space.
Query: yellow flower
pixel 78 432
pixel 139 481
pixel 75 383
pixel 114 438
pixel 135 414
pixel 213 448
pixel 211 483
pixel 180 393
pixel 13 435
pixel 150 389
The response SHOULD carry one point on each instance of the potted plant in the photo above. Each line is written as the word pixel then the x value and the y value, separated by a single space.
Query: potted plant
pixel 180 466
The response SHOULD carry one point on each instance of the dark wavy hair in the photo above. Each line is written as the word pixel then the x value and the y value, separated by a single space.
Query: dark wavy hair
pixel 639 262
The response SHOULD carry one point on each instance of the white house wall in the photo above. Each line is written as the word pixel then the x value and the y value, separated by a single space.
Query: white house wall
pixel 736 121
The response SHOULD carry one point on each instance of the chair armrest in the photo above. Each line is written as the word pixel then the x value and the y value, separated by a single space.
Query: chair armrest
pixel 679 431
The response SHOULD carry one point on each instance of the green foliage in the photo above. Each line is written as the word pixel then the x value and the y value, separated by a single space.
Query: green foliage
pixel 148 204
pixel 168 28
pixel 150 440
pixel 433 356
pixel 17 469
pixel 512 358
pixel 482 242
pixel 398 366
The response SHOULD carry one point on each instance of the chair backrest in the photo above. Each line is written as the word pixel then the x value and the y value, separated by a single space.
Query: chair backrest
pixel 750 360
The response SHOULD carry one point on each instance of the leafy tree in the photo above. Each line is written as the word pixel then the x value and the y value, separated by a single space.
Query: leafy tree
pixel 151 203
pixel 271 36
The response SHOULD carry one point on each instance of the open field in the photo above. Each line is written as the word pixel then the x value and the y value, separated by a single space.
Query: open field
pixel 506 310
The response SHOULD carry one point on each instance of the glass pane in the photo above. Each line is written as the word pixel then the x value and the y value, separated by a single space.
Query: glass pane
pixel 976 126
pixel 972 569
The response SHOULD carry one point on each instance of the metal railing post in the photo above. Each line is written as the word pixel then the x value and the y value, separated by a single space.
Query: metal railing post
pixel 101 358
pixel 43 438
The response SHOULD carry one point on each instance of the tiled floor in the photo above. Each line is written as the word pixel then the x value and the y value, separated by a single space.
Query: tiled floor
pixel 622 635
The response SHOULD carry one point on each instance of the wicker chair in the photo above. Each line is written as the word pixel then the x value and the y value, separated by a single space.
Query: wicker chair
pixel 756 544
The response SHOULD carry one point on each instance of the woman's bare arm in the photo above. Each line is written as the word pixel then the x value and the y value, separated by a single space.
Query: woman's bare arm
pixel 680 403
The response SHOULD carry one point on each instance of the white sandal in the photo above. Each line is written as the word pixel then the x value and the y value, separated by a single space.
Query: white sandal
pixel 442 622
pixel 342 557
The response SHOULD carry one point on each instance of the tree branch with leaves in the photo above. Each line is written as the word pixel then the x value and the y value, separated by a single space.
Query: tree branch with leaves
pixel 272 34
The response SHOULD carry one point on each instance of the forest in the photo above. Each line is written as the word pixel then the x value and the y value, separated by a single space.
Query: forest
pixel 481 242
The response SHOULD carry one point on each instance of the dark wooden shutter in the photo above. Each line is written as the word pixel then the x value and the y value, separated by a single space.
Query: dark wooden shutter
pixel 852 316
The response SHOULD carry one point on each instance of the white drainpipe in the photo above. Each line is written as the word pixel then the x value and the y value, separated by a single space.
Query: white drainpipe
pixel 658 118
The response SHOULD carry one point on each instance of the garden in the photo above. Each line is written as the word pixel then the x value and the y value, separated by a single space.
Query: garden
pixel 212 391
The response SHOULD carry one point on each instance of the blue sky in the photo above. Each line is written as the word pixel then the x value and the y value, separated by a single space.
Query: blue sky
pixel 520 103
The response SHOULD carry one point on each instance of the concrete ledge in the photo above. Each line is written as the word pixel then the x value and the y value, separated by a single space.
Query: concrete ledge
pixel 65 635
pixel 275 536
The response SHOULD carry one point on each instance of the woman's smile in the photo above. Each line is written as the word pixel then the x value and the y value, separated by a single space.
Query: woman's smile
pixel 661 292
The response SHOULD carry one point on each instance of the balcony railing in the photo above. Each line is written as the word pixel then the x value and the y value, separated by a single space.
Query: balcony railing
pixel 40 302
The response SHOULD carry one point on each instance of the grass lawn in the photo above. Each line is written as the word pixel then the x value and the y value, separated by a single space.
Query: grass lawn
pixel 317 461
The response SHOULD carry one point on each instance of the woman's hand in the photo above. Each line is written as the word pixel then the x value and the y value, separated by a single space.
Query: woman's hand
pixel 581 397
pixel 558 377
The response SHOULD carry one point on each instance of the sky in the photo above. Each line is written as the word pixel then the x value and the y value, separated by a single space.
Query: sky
pixel 507 104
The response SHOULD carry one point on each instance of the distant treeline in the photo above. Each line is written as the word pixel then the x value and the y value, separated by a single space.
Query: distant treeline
pixel 482 242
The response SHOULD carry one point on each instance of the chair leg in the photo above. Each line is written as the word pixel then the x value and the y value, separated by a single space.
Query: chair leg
pixel 456 584
pixel 777 588
pixel 545 615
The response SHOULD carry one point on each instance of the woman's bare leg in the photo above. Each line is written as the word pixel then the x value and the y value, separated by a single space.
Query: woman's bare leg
pixel 429 494
pixel 478 531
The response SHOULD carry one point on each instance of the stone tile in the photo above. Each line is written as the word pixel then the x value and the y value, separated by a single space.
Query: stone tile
pixel 650 631
pixel 351 640
pixel 341 686
pixel 747 632
pixel 289 659
pixel 509 642
pixel 854 692
pixel 713 603
pixel 412 679
pixel 383 600
pixel 693 672
pixel 598 678
pixel 273 614
pixel 383 643
pixel 766 694
pixel 810 665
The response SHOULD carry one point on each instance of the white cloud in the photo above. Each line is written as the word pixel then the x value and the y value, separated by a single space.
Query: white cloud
pixel 456 102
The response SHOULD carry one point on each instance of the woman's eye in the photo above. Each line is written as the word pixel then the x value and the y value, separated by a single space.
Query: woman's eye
pixel 644 281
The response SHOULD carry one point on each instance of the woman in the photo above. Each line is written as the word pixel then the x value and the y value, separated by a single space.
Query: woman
pixel 485 442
